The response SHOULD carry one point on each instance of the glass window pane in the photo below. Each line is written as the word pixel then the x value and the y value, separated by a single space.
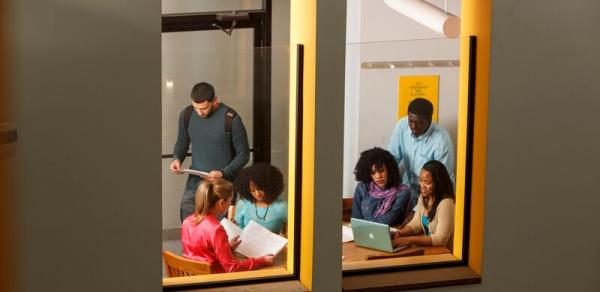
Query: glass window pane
pixel 381 78
pixel 239 73
pixel 224 61
pixel 199 6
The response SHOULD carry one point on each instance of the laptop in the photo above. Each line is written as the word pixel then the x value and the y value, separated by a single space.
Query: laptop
pixel 373 235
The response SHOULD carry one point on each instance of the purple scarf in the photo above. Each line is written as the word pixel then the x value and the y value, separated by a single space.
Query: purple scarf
pixel 388 197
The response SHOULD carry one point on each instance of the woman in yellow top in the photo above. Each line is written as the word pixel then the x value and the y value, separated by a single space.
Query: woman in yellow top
pixel 433 222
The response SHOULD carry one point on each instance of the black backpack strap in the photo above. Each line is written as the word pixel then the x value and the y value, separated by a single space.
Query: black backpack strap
pixel 187 115
pixel 229 116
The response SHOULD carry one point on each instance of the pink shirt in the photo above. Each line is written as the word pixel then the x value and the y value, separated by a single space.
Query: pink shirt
pixel 207 241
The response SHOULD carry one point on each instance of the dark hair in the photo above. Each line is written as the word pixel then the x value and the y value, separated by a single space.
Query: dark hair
pixel 266 177
pixel 421 107
pixel 202 92
pixel 442 185
pixel 378 157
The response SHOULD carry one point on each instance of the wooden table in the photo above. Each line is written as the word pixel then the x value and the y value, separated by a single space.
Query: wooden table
pixel 353 253
pixel 355 257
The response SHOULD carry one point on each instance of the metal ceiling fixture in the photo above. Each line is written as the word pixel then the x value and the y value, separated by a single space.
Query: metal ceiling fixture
pixel 429 15
pixel 232 17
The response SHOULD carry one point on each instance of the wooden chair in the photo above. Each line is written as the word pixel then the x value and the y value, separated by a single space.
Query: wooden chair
pixel 178 266
pixel 346 209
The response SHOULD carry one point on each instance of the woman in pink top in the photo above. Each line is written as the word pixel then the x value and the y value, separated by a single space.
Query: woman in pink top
pixel 202 236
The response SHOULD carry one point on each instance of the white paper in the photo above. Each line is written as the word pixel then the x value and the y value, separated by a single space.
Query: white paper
pixel 231 229
pixel 196 172
pixel 258 241
pixel 347 234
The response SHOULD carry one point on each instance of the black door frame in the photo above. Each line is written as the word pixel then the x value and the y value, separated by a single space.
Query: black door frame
pixel 260 21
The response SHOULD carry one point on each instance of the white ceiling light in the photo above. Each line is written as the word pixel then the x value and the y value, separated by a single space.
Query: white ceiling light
pixel 428 15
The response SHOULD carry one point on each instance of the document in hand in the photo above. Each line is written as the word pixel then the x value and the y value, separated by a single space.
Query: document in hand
pixel 196 172
pixel 256 240
pixel 231 229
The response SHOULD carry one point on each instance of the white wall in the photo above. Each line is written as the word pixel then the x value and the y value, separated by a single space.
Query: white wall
pixel 542 171
pixel 377 33
pixel 351 94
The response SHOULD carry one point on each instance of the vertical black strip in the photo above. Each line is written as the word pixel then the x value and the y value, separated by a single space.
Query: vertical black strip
pixel 469 154
pixel 298 169
pixel 268 9
pixel 262 87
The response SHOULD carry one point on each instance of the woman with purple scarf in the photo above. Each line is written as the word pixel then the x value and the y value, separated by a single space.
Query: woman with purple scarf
pixel 379 196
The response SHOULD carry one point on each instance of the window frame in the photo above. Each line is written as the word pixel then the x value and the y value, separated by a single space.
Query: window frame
pixel 265 276
pixel 442 261
pixel 260 22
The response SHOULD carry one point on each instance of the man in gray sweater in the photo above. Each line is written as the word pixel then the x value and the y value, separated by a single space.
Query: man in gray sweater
pixel 212 150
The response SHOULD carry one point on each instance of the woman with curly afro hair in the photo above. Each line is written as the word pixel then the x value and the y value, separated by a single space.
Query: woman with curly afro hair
pixel 379 196
pixel 260 187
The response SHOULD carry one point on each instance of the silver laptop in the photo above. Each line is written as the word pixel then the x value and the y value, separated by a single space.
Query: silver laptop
pixel 373 235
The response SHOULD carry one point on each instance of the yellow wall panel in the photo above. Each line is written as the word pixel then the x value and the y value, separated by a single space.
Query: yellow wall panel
pixel 411 87
pixel 303 31
pixel 475 20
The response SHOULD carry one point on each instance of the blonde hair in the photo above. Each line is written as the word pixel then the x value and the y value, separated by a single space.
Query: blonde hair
pixel 208 194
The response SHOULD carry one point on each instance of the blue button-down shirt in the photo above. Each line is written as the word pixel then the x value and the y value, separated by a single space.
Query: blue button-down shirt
pixel 434 144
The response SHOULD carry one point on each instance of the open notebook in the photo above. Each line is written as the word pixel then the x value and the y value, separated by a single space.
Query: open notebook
pixel 256 240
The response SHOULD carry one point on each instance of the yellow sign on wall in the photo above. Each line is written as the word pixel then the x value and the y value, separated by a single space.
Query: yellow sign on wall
pixel 411 87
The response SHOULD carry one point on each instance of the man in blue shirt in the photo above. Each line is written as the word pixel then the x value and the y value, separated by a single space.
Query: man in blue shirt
pixel 416 140
pixel 211 151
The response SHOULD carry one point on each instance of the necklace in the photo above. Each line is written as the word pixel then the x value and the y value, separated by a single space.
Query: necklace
pixel 265 215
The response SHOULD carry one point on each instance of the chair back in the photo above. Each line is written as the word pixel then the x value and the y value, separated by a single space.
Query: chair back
pixel 178 266
pixel 347 209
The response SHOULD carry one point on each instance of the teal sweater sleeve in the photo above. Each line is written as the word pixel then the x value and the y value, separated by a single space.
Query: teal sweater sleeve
pixel 183 142
pixel 239 139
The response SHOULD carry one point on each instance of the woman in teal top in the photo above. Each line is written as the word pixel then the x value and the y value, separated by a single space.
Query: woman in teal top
pixel 260 187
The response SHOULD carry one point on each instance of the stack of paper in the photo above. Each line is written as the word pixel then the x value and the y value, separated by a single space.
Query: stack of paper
pixel 231 229
pixel 256 240
pixel 347 234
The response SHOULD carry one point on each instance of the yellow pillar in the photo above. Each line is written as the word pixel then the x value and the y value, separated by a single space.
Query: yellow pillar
pixel 475 21
pixel 303 31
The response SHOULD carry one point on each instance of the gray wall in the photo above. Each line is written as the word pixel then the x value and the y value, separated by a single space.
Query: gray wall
pixel 87 91
pixel 82 69
pixel 542 175
pixel 329 139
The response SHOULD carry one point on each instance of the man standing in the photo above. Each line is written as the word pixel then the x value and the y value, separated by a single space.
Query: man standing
pixel 416 140
pixel 219 142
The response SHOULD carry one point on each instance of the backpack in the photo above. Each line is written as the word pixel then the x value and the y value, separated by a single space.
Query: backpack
pixel 229 116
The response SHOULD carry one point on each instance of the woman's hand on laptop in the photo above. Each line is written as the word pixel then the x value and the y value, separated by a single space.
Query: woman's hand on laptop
pixel 399 241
